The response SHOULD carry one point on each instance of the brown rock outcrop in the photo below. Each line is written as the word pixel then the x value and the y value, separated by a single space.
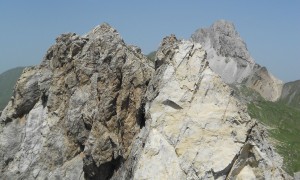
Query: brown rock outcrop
pixel 84 103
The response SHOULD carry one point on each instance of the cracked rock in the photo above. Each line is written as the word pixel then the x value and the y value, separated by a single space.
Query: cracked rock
pixel 75 115
pixel 192 134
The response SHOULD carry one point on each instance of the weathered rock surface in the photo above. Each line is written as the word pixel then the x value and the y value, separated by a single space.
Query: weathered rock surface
pixel 264 83
pixel 195 127
pixel 75 115
pixel 95 109
pixel 228 56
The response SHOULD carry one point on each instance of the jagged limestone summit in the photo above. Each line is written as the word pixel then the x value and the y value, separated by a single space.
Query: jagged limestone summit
pixel 96 108
pixel 228 56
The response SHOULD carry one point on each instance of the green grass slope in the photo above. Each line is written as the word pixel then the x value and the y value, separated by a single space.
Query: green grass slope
pixel 8 80
pixel 284 128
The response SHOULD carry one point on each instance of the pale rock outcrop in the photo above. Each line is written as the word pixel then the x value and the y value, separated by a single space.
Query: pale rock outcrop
pixel 262 81
pixel 75 115
pixel 195 126
pixel 229 57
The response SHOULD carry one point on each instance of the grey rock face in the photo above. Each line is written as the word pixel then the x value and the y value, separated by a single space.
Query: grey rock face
pixel 75 115
pixel 227 52
pixel 225 40
pixel 229 57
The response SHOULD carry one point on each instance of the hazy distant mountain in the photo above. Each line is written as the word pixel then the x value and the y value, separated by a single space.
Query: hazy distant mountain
pixel 291 94
pixel 229 57
pixel 151 56
pixel 8 80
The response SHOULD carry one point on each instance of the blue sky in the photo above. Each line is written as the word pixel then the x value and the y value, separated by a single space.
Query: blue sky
pixel 271 29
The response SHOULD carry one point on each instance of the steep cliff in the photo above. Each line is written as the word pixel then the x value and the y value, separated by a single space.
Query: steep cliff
pixel 229 57
pixel 97 108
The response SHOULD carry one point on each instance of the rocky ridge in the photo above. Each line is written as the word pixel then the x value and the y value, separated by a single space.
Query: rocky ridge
pixel 78 111
pixel 195 127
pixel 229 57
pixel 96 108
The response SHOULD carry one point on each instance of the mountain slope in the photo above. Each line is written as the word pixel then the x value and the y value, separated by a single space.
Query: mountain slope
pixel 228 56
pixel 284 127
pixel 291 94
pixel 195 127
pixel 8 80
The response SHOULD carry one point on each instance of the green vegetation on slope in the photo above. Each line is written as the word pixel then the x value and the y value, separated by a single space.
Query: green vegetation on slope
pixel 284 123
pixel 8 80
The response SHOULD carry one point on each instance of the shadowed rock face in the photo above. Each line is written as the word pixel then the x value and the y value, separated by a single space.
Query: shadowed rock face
pixel 229 57
pixel 78 111
pixel 225 40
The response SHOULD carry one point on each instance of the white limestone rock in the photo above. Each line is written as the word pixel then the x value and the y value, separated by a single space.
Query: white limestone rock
pixel 195 127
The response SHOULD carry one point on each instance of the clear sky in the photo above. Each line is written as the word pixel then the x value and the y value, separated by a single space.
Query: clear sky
pixel 271 28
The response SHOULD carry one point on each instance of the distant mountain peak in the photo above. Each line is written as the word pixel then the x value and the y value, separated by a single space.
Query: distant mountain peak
pixel 229 57
pixel 224 39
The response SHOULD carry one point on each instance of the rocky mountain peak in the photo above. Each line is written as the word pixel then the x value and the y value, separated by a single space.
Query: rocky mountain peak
pixel 105 31
pixel 224 27
pixel 78 112
pixel 229 57
pixel 224 39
